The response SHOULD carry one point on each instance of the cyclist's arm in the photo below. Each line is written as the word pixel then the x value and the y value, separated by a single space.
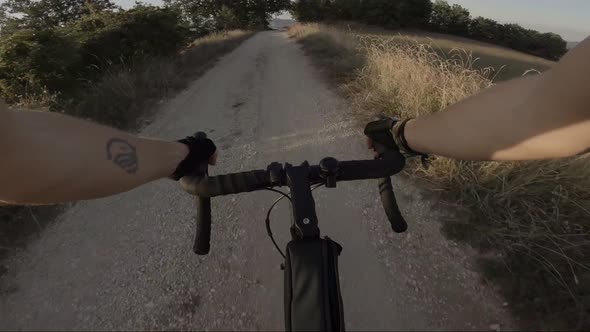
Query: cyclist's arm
pixel 51 158
pixel 540 117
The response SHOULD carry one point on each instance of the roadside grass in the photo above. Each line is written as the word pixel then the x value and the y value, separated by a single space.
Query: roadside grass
pixel 504 63
pixel 125 98
pixel 530 220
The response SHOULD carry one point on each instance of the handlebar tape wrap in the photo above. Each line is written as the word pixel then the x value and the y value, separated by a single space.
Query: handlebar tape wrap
pixel 203 235
pixel 398 223
pixel 226 184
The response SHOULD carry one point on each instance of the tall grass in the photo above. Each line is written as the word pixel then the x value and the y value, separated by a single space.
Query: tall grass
pixel 530 219
pixel 506 63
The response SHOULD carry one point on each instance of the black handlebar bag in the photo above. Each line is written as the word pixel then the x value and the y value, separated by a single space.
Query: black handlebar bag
pixel 312 287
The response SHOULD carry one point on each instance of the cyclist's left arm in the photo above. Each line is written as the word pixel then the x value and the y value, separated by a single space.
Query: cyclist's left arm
pixel 52 158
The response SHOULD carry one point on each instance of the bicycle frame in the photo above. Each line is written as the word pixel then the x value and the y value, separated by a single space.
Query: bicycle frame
pixel 308 258
pixel 304 222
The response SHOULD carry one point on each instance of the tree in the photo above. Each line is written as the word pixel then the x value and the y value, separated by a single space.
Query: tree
pixel 261 10
pixel 310 10
pixel 47 14
pixel 554 46
pixel 347 9
pixel 415 13
pixel 450 19
pixel 227 19
pixel 202 15
pixel 385 13
pixel 483 29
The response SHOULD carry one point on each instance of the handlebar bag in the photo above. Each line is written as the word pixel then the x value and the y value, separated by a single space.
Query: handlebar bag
pixel 313 301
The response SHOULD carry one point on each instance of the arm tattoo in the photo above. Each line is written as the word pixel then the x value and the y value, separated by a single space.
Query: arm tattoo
pixel 123 154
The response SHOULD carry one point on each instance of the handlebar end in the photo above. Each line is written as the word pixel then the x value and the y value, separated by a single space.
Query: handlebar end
pixel 203 234
pixel 400 227
pixel 397 221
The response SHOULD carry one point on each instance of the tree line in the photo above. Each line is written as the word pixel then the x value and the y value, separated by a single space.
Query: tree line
pixel 439 16
pixel 58 47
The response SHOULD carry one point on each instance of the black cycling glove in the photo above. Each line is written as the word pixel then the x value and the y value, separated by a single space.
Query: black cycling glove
pixel 390 133
pixel 399 135
pixel 200 151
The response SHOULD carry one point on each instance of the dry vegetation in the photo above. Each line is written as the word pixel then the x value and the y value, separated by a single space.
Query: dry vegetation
pixel 504 63
pixel 531 220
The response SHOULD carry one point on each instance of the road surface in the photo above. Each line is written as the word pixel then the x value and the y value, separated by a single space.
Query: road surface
pixel 126 263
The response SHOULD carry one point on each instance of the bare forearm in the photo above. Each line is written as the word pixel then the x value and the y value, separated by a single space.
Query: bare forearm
pixel 53 158
pixel 540 117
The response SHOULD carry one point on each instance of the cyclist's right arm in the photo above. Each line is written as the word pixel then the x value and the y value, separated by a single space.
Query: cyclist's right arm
pixel 540 117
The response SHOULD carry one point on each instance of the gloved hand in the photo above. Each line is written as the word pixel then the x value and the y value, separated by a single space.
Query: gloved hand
pixel 380 136
pixel 202 151
pixel 389 134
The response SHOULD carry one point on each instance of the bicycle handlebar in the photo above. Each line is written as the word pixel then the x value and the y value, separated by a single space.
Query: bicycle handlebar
pixel 206 187
pixel 229 184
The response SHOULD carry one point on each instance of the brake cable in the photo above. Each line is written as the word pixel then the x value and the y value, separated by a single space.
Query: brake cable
pixel 285 195
pixel 267 221
pixel 277 201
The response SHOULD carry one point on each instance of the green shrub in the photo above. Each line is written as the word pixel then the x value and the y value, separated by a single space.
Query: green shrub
pixel 113 39
pixel 32 62
pixel 227 19
pixel 62 61
pixel 124 95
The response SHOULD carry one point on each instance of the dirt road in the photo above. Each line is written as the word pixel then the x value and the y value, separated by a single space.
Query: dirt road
pixel 125 262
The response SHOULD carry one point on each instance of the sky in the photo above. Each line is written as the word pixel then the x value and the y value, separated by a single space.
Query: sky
pixel 569 18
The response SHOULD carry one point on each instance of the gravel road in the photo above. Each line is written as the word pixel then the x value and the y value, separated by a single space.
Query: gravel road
pixel 126 263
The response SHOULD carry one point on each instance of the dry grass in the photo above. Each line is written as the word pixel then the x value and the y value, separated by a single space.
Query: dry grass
pixel 411 79
pixel 530 219
pixel 504 63
pixel 333 49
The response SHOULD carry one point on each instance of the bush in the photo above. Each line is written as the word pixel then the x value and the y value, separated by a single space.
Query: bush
pixel 57 61
pixel 142 32
pixel 227 19
pixel 36 62
pixel 123 94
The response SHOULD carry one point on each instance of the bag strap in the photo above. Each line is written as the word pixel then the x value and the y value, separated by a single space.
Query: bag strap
pixel 335 307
